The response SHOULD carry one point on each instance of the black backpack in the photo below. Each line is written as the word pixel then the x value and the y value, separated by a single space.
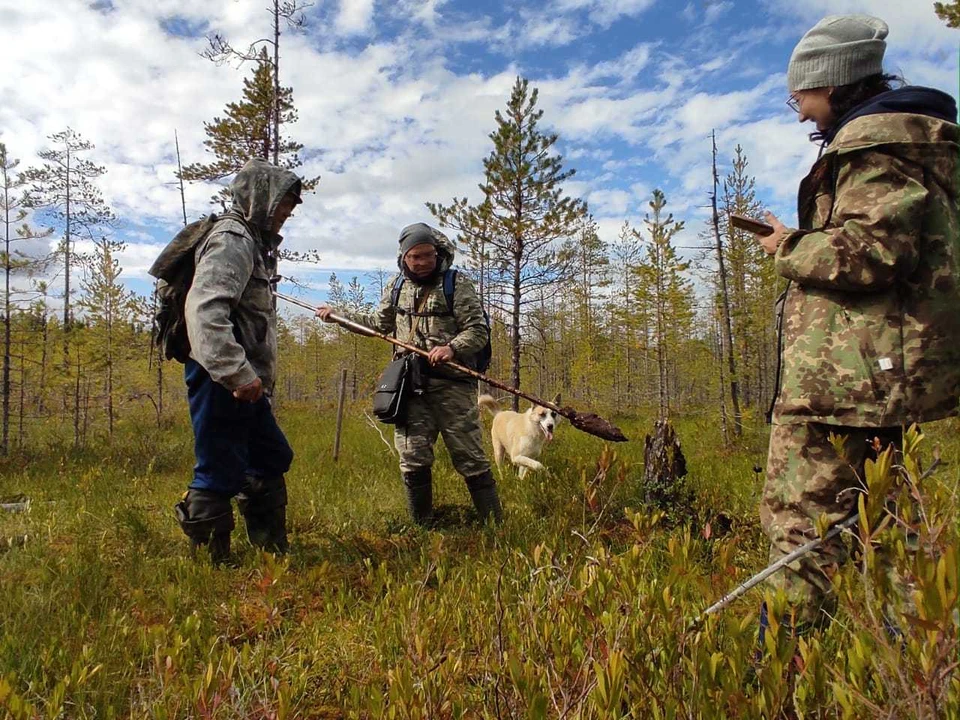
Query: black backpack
pixel 481 360
pixel 174 269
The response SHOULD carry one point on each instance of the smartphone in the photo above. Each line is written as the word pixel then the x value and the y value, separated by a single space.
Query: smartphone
pixel 757 227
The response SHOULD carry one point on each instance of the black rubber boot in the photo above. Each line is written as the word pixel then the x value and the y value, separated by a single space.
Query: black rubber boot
pixel 263 504
pixel 206 518
pixel 419 484
pixel 483 491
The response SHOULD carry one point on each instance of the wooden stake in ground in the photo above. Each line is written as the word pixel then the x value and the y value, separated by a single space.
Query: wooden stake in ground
pixel 588 422
pixel 343 389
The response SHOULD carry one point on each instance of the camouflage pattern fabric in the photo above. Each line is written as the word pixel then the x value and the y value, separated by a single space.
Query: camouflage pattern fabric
pixel 448 408
pixel 870 328
pixel 465 331
pixel 807 479
pixel 230 312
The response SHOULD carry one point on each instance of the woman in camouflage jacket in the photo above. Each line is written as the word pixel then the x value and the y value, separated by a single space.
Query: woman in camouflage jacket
pixel 869 324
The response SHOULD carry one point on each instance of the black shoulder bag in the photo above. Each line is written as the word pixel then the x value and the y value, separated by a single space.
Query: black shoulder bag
pixel 396 383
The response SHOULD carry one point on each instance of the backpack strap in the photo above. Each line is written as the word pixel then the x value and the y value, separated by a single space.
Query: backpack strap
pixel 449 286
pixel 395 293
pixel 449 282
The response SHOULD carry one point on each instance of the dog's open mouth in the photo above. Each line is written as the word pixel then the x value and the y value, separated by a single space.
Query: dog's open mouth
pixel 547 432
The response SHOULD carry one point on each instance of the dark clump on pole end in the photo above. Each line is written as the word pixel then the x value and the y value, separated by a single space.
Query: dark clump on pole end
pixel 594 424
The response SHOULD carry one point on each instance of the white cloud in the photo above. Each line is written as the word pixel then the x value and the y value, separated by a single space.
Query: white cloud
pixel 540 31
pixel 715 9
pixel 355 16
pixel 605 12
pixel 395 122
pixel 609 202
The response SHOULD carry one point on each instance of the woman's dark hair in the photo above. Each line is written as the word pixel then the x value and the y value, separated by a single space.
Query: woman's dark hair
pixel 845 98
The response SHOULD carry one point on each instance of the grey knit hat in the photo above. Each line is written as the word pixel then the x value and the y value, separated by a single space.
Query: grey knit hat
pixel 416 234
pixel 838 50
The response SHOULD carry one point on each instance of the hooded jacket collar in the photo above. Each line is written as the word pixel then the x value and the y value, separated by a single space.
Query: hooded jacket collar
pixel 911 99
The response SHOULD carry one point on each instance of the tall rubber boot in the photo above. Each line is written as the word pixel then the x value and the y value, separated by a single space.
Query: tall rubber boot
pixel 483 492
pixel 419 485
pixel 263 505
pixel 206 518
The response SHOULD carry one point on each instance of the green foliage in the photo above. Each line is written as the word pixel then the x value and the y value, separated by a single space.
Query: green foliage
pixel 663 292
pixel 949 12
pixel 246 131
pixel 517 232
pixel 580 606
pixel 64 191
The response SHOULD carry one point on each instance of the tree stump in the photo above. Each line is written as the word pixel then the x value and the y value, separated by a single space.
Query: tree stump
pixel 664 469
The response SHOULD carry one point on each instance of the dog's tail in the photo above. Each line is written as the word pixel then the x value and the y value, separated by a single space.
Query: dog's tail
pixel 487 402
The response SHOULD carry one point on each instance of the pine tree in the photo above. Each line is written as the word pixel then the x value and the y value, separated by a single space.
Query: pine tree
pixel 287 13
pixel 754 285
pixel 727 323
pixel 593 267
pixel 524 213
pixel 63 189
pixel 948 12
pixel 246 130
pixel 13 204
pixel 624 313
pixel 108 305
pixel 664 292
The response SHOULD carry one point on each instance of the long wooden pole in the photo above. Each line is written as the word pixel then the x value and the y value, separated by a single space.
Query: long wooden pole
pixel 588 422
pixel 364 330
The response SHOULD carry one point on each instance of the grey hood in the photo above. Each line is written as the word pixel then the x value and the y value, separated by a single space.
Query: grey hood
pixel 257 190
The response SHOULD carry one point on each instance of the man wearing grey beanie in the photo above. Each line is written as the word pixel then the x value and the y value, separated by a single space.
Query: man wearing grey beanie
pixel 869 329
pixel 430 305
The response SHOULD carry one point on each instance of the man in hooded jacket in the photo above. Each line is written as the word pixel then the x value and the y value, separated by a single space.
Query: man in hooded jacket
pixel 448 403
pixel 232 326
pixel 869 323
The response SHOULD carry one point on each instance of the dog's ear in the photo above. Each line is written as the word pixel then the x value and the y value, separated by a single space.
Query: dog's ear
pixel 556 400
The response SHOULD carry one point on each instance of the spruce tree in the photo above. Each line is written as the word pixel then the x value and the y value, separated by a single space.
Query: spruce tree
pixel 524 217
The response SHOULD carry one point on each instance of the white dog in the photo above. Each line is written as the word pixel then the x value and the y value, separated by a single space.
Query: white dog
pixel 521 435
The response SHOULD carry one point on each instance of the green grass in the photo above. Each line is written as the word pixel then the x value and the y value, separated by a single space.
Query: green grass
pixel 578 607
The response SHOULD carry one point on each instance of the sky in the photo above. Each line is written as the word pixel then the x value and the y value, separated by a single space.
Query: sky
pixel 396 102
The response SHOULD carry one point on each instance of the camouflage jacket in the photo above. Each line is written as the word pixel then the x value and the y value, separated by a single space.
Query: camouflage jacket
pixel 465 331
pixel 870 321
pixel 230 312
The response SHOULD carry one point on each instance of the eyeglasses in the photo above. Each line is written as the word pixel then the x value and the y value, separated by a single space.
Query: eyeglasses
pixel 425 256
pixel 794 104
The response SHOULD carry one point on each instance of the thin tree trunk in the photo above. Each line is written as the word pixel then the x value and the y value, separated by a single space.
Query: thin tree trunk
pixel 183 197
pixel 276 82
pixel 43 358
pixel 723 385
pixel 517 258
pixel 76 405
pixel 6 317
pixel 86 411
pixel 23 384
pixel 110 373
pixel 66 270
pixel 727 326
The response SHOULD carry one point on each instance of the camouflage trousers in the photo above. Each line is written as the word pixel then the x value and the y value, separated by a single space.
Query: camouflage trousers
pixel 448 408
pixel 806 479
